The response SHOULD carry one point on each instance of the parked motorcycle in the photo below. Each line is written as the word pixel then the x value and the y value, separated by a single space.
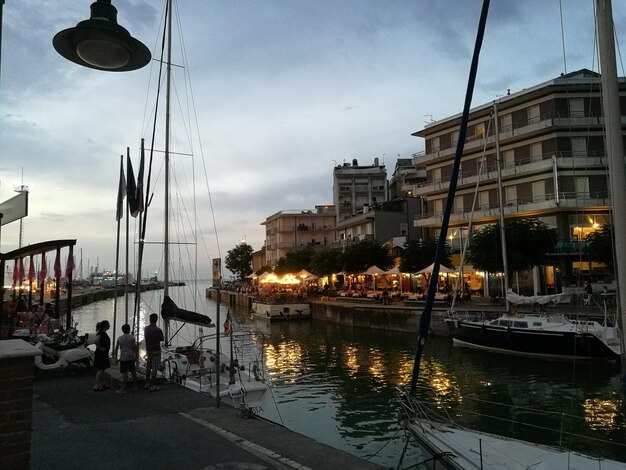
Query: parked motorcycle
pixel 63 350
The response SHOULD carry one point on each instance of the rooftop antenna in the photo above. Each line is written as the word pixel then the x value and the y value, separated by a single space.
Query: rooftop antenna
pixel 430 119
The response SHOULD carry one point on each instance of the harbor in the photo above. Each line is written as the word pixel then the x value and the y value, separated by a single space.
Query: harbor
pixel 335 383
pixel 174 428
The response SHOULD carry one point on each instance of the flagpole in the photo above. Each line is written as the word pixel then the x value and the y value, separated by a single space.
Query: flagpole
pixel 118 215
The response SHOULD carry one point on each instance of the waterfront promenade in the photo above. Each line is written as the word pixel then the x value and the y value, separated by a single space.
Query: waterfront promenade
pixel 74 427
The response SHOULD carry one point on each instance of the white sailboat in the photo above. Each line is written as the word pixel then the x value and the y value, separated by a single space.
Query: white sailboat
pixel 228 365
pixel 448 444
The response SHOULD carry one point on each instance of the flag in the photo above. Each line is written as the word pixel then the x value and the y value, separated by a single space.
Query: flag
pixel 139 197
pixel 70 266
pixel 227 322
pixel 15 274
pixel 20 271
pixel 31 270
pixel 57 267
pixel 131 189
pixel 44 269
pixel 121 192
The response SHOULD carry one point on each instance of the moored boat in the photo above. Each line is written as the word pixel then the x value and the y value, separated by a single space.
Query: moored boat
pixel 552 336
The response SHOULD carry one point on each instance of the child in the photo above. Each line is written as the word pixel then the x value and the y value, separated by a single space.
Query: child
pixel 127 346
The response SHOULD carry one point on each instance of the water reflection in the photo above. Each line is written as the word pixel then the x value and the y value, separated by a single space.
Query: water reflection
pixel 336 385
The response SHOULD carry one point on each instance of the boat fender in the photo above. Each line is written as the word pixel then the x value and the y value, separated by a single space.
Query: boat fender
pixel 456 323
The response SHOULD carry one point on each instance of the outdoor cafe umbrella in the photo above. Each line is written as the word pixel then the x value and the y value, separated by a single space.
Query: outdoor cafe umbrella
pixel 374 271
pixel 429 269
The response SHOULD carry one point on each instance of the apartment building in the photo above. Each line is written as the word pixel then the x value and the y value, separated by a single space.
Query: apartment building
pixel 550 142
pixel 289 230
pixel 356 187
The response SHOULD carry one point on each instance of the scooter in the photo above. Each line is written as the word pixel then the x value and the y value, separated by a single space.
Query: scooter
pixel 64 351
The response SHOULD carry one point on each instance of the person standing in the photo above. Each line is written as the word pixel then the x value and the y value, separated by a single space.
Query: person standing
pixel 101 360
pixel 153 336
pixel 127 346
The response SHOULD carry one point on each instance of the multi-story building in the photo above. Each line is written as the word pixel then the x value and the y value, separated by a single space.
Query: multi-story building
pixel 405 176
pixel 289 230
pixel 553 167
pixel 356 187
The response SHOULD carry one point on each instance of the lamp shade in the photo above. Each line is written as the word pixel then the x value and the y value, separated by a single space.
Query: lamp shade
pixel 100 43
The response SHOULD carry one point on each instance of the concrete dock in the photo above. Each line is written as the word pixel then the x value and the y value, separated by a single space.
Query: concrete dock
pixel 75 427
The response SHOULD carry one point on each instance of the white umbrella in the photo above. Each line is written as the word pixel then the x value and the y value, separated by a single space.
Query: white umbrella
pixel 429 269
pixel 373 270
pixel 303 273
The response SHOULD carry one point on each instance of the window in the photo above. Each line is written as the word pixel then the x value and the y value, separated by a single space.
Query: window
pixel 458 204
pixel 480 131
pixel 506 123
pixel 455 137
pixel 483 199
pixel 582 186
pixel 510 195
pixel 436 174
pixel 509 158
pixel 539 191
pixel 534 115
pixel 535 150
pixel 576 107
pixel 579 146
pixel 438 206
pixel 520 324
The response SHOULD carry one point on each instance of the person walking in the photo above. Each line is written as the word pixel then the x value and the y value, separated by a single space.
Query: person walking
pixel 153 337
pixel 101 360
pixel 127 346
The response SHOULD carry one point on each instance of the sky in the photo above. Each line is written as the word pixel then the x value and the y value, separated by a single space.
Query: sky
pixel 282 92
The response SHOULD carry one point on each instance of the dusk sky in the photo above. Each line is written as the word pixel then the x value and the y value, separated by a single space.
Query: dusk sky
pixel 283 91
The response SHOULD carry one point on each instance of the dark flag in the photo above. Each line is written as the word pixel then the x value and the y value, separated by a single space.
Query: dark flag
pixel 121 192
pixel 131 189
pixel 140 203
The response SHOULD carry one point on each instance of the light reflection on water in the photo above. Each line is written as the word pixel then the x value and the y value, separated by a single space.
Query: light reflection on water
pixel 336 385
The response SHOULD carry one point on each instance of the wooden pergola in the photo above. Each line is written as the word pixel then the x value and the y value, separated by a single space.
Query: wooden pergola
pixel 36 249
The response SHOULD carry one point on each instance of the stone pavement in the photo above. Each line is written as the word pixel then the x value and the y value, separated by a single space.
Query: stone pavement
pixel 174 428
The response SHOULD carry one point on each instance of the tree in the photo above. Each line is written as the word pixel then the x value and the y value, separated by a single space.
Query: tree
pixel 527 243
pixel 327 262
pixel 599 246
pixel 295 261
pixel 358 257
pixel 239 260
pixel 418 255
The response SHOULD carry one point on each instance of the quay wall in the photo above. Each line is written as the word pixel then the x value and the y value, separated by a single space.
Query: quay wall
pixel 398 318
pixel 404 319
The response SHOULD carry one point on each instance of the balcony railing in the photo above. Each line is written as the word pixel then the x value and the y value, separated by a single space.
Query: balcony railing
pixel 535 203
pixel 577 160
pixel 548 119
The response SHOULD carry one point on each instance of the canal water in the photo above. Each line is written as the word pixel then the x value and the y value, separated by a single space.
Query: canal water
pixel 338 386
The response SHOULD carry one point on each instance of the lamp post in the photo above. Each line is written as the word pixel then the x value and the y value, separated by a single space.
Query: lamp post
pixel 100 43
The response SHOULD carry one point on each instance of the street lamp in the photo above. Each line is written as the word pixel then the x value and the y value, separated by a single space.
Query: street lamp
pixel 100 43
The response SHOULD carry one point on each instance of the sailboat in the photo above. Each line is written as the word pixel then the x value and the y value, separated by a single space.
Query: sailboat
pixel 227 365
pixel 448 444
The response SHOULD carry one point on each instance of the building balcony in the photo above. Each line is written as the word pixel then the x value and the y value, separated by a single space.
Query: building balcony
pixel 518 130
pixel 519 168
pixel 529 207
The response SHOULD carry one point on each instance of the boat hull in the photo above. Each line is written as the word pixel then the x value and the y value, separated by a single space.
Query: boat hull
pixel 554 344
pixel 281 312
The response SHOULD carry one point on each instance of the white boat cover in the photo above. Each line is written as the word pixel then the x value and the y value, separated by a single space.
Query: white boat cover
pixel 517 299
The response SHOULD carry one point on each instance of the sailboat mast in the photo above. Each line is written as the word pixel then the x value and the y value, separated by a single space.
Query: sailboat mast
pixel 166 236
pixel 614 146
pixel 505 263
